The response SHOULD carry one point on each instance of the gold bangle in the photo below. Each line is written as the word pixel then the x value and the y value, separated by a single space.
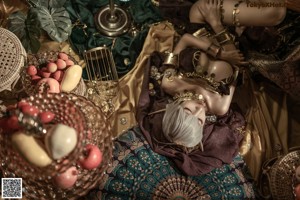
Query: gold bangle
pixel 201 32
pixel 213 50
pixel 171 59
pixel 224 37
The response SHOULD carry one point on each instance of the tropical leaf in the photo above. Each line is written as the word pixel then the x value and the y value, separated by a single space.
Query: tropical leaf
pixel 56 3
pixel 26 28
pixel 47 3
pixel 55 21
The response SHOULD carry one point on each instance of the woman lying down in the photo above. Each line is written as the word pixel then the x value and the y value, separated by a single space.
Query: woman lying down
pixel 187 142
pixel 187 114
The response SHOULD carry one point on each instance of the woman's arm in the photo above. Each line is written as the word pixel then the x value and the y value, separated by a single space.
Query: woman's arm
pixel 228 53
pixel 188 40
pixel 243 13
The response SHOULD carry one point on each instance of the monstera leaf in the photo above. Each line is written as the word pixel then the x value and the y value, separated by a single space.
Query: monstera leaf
pixel 55 21
pixel 26 29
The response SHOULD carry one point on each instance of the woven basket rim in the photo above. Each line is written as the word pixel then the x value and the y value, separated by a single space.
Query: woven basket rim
pixel 12 57
pixel 282 174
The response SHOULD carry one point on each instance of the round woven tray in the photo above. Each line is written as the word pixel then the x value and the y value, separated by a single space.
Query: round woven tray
pixel 282 174
pixel 12 56
pixel 92 128
pixel 39 59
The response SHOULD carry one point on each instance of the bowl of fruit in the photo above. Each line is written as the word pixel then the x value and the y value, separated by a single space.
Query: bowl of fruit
pixel 60 144
pixel 54 72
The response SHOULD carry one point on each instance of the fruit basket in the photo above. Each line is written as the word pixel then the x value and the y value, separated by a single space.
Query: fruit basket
pixel 93 130
pixel 52 67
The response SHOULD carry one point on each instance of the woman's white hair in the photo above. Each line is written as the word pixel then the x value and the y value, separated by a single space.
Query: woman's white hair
pixel 180 127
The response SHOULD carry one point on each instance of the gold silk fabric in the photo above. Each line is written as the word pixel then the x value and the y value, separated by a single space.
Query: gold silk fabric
pixel 160 38
pixel 266 113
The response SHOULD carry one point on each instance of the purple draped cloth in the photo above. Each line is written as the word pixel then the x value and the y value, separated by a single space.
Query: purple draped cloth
pixel 220 139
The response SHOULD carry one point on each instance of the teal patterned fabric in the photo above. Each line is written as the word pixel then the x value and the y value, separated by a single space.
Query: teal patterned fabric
pixel 139 173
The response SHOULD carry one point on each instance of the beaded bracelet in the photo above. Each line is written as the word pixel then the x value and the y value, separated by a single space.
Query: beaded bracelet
pixel 235 12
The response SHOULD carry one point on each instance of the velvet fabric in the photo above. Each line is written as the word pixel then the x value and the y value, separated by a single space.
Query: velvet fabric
pixel 220 139
pixel 126 47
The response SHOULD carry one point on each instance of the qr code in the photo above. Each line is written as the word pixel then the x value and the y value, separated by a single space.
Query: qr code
pixel 11 188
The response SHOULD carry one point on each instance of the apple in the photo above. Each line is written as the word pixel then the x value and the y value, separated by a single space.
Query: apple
pixel 67 179
pixel 31 70
pixel 297 191
pixel 92 158
pixel 61 64
pixel 13 123
pixel 46 116
pixel 30 110
pixel 22 103
pixel 63 56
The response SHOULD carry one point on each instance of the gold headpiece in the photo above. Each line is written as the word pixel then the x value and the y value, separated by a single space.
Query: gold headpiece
pixel 189 96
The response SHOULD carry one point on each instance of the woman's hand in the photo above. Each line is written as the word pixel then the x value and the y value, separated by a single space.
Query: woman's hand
pixel 210 10
pixel 235 57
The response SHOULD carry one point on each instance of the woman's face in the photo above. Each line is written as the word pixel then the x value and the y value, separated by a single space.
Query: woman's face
pixel 196 108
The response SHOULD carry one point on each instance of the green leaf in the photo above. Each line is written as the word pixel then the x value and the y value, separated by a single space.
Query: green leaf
pixel 26 28
pixel 47 3
pixel 55 21
pixel 56 3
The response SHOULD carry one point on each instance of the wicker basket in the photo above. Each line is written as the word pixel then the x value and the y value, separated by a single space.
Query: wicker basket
pixel 12 56
pixel 40 59
pixel 282 174
pixel 91 126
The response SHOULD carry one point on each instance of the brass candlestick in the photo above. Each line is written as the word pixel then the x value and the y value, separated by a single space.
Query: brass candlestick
pixel 112 20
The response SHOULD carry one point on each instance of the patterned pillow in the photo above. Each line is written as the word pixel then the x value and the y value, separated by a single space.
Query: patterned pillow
pixel 139 173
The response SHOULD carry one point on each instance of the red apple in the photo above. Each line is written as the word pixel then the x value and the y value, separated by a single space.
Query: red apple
pixel 297 191
pixel 51 67
pixel 63 56
pixel 22 103
pixel 46 116
pixel 61 64
pixel 93 157
pixel 30 110
pixel 67 179
pixel 31 70
pixel 13 123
